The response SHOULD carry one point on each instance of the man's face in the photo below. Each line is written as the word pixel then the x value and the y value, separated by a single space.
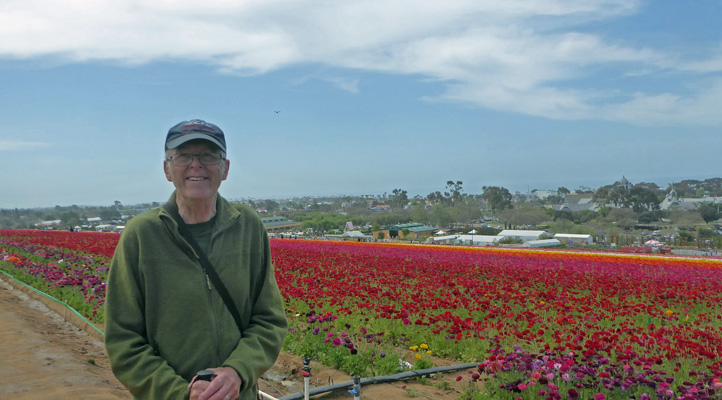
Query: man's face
pixel 196 181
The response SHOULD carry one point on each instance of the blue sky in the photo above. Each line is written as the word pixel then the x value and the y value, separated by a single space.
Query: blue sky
pixel 372 95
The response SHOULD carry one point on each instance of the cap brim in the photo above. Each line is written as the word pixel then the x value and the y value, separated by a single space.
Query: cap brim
pixel 174 143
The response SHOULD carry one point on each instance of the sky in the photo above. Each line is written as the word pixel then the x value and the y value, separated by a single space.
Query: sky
pixel 333 97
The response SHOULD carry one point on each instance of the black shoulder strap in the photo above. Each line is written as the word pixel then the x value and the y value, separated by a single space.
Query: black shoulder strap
pixel 207 266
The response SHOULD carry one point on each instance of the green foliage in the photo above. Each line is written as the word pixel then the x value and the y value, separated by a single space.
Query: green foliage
pixel 649 217
pixel 705 233
pixel 498 198
pixel 708 211
pixel 507 240
pixel 686 236
pixel 399 198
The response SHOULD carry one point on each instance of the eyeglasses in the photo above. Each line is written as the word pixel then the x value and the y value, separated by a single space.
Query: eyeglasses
pixel 185 159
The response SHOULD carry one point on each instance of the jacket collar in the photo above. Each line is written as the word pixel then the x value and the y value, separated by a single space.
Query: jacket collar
pixel 226 214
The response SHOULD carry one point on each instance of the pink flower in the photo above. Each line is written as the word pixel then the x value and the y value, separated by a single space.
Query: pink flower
pixel 572 394
pixel 406 321
pixel 458 378
pixel 599 396
pixel 337 342
pixel 521 386
pixel 535 375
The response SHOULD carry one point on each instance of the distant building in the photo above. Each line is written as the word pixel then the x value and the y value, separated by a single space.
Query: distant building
pixel 522 235
pixel 574 239
pixel 688 204
pixel 279 224
pixel 416 231
pixel 541 243
pixel 577 202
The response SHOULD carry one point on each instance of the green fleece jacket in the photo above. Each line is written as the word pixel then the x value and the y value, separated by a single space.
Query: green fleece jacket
pixel 164 319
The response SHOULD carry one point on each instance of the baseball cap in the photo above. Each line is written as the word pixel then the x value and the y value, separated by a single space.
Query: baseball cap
pixel 192 130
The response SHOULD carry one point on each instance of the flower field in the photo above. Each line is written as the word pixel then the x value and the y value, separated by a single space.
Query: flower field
pixel 541 324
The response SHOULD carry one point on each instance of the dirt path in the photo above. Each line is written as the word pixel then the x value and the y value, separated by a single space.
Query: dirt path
pixel 42 356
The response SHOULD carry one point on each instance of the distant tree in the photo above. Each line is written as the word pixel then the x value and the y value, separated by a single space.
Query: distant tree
pixel 648 217
pixel 705 233
pixel 562 190
pixel 420 215
pixel 70 218
pixel 399 198
pixel 686 236
pixel 454 194
pixel 643 199
pixel 406 232
pixel 525 215
pixel 270 205
pixel 563 214
pixel 381 235
pixel 708 211
pixel 436 197
pixel 584 216
pixel 498 198
pixel 440 216
pixel 109 214
pixel 612 194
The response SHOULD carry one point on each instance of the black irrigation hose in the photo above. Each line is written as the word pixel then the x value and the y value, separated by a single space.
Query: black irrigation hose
pixel 380 379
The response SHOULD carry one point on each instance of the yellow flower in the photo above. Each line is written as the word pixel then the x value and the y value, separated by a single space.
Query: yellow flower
pixel 423 346
pixel 670 312
pixel 418 357
pixel 542 302
pixel 428 351
pixel 414 348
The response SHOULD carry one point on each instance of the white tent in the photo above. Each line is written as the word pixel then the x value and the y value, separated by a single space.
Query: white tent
pixel 521 235
pixel 443 239
pixel 541 243
pixel 652 243
pixel 574 238
pixel 440 233
pixel 478 239
pixel 354 234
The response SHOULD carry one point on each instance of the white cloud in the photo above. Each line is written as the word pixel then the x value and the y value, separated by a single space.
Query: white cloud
pixel 527 56
pixel 20 145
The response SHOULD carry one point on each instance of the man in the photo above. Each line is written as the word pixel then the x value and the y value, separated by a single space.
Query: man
pixel 165 320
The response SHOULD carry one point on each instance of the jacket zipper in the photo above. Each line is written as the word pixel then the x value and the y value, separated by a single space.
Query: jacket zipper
pixel 215 317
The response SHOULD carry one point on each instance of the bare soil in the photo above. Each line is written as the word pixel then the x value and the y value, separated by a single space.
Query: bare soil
pixel 45 356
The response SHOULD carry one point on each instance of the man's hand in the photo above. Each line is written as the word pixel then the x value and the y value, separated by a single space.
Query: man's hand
pixel 226 385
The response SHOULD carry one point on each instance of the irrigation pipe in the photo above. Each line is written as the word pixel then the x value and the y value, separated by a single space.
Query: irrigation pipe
pixel 380 379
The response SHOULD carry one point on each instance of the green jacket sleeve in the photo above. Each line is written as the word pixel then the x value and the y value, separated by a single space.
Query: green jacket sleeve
pixel 133 360
pixel 263 338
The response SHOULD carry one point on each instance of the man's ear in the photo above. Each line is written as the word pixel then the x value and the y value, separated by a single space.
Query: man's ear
pixel 225 173
pixel 166 169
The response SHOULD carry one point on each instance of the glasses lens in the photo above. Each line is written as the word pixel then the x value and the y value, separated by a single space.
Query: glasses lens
pixel 182 159
pixel 209 159
pixel 185 159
